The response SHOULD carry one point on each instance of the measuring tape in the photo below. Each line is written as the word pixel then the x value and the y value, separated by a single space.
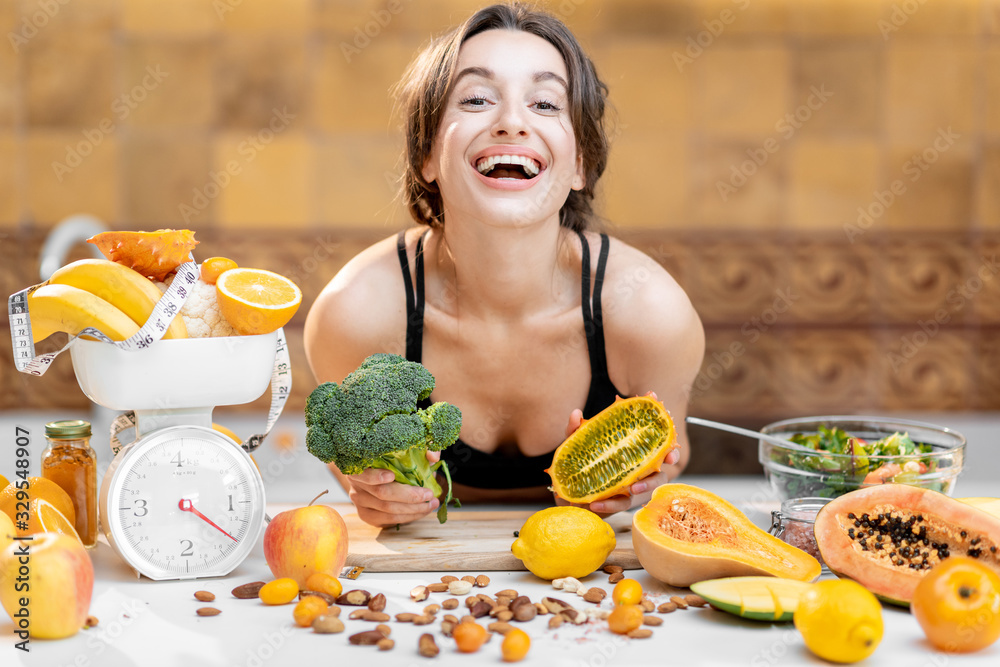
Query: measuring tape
pixel 164 311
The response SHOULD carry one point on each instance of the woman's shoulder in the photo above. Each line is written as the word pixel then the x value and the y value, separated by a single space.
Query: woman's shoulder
pixel 640 295
pixel 362 310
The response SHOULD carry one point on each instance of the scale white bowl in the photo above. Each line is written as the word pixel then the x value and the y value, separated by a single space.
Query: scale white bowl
pixel 176 374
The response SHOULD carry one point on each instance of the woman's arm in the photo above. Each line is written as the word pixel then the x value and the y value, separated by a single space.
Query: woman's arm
pixel 360 312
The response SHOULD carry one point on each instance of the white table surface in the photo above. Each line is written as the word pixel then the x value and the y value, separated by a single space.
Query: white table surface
pixel 154 623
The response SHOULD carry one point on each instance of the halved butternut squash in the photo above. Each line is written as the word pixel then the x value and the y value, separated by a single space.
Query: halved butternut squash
pixel 685 534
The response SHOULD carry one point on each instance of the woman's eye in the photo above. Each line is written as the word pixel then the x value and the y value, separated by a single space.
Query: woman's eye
pixel 474 101
pixel 542 105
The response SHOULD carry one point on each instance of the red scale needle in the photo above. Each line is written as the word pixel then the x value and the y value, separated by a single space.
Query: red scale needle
pixel 188 506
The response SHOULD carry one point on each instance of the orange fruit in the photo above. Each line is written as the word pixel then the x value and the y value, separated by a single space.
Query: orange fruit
pixel 958 605
pixel 625 618
pixel 515 645
pixel 45 518
pixel 3 482
pixel 38 488
pixel 255 301
pixel 213 267
pixel 469 636
pixel 627 591
pixel 308 609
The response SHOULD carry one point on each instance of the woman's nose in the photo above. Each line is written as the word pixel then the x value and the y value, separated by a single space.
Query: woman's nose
pixel 510 122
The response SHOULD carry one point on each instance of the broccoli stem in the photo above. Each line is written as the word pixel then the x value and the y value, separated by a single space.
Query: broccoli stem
pixel 412 467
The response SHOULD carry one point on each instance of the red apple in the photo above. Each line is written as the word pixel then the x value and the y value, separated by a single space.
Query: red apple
pixel 306 540
pixel 60 581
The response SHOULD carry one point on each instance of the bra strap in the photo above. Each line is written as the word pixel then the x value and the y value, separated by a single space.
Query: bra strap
pixel 589 325
pixel 601 365
pixel 414 306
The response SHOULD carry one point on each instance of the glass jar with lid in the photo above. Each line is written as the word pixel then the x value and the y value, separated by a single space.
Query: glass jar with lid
pixel 70 462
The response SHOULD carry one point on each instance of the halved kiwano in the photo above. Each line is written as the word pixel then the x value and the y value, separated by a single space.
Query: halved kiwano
pixel 625 442
pixel 153 254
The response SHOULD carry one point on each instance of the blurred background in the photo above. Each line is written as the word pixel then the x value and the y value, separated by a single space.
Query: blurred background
pixel 821 176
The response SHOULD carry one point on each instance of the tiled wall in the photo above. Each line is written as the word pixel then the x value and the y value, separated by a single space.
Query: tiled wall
pixel 847 150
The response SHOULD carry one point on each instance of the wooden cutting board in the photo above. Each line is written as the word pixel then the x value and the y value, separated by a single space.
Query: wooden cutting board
pixel 469 540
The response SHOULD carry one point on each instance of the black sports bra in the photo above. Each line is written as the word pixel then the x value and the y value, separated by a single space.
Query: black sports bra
pixel 498 470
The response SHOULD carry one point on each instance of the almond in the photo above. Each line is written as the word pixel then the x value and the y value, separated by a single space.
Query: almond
pixel 647 605
pixel 640 633
pixel 694 600
pixel 595 594
pixel 366 638
pixel 667 607
pixel 405 617
pixel 248 591
pixel 426 646
pixel 469 578
pixel 615 577
pixel 555 622
pixel 385 644
pixel 652 620
pixel 448 578
pixel 500 627
pixel 679 601
pixel 438 588
pixel 208 611
pixel 482 581
pixel 450 603
pixel 612 569
pixel 204 596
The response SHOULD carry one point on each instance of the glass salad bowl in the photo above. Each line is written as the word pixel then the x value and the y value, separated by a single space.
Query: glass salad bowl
pixel 856 451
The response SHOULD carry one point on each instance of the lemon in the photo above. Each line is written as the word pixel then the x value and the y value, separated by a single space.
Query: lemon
pixel 563 542
pixel 840 620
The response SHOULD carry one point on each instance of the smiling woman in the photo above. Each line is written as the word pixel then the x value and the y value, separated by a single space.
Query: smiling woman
pixel 528 321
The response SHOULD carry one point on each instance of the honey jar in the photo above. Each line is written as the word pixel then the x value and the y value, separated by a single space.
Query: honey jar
pixel 69 461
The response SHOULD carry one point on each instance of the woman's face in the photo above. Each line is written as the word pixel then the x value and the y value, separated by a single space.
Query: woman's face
pixel 506 152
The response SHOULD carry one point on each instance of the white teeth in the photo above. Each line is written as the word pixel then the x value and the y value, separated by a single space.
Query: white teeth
pixel 531 167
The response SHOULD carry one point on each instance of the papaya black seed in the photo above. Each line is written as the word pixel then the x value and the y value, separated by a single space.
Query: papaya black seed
pixel 851 515
pixel 963 534
pixel 975 541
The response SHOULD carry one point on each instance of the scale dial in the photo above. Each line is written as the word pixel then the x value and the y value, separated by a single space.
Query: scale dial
pixel 183 502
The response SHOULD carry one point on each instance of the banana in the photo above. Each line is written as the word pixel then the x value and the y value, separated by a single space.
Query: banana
pixel 65 308
pixel 122 287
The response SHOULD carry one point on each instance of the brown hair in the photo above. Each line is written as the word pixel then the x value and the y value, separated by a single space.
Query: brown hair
pixel 424 89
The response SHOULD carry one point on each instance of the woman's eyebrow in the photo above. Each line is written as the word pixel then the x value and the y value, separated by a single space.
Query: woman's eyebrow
pixel 487 73
pixel 549 76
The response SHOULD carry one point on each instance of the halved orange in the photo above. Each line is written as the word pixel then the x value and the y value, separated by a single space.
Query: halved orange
pixel 39 488
pixel 3 482
pixel 45 518
pixel 255 301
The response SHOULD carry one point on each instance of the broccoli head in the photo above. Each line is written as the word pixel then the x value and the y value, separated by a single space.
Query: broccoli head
pixel 372 420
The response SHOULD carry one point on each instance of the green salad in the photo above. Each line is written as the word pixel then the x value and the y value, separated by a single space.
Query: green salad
pixel 840 474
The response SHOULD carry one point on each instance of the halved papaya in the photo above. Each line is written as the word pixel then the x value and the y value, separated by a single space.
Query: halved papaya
pixel 620 445
pixel 756 598
pixel 685 534
pixel 888 537
pixel 988 505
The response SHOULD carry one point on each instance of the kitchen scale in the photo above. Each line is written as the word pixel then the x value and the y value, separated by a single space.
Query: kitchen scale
pixel 182 501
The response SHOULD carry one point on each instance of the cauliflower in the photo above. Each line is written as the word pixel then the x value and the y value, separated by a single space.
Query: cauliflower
pixel 201 313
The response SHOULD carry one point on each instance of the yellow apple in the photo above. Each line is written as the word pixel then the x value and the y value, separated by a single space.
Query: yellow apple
pixel 45 585
pixel 303 541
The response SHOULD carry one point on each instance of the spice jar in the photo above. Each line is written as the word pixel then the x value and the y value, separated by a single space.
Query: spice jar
pixel 793 524
pixel 70 462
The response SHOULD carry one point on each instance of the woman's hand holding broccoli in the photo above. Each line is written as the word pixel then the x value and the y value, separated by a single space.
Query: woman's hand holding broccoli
pixel 371 428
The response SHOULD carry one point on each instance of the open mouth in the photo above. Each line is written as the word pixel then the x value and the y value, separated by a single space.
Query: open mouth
pixel 508 167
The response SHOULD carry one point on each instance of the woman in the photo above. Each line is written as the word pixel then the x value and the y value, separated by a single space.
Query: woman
pixel 523 316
